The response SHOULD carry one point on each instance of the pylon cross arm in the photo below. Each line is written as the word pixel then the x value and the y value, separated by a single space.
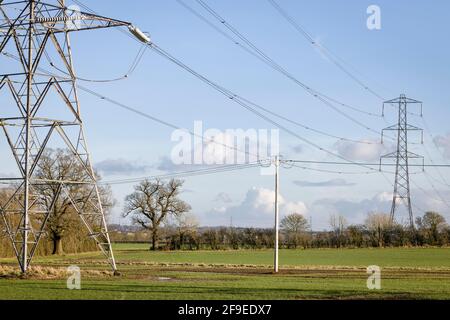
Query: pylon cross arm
pixel 60 19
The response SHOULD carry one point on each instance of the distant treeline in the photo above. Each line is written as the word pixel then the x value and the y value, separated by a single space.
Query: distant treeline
pixel 431 230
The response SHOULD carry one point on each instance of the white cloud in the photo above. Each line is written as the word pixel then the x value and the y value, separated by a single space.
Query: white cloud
pixel 384 196
pixel 355 211
pixel 322 184
pixel 371 151
pixel 257 209
pixel 167 165
pixel 295 207
pixel 223 197
pixel 121 166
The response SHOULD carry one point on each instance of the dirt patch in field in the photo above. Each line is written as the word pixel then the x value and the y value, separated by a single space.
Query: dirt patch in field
pixel 142 270
pixel 44 273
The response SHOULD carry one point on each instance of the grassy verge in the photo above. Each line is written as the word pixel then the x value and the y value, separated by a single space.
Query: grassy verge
pixel 416 273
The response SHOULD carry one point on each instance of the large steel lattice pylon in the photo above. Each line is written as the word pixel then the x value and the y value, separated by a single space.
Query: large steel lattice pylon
pixel 402 193
pixel 44 112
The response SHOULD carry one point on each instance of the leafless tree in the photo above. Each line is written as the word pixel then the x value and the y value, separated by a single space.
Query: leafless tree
pixel 338 225
pixel 60 165
pixel 152 203
pixel 294 225
pixel 378 225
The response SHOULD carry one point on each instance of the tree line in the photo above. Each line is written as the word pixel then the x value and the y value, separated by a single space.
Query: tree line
pixel 377 231
pixel 166 223
pixel 155 206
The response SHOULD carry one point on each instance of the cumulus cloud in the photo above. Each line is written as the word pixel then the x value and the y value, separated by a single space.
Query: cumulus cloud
pixel 371 151
pixel 167 165
pixel 328 183
pixel 355 211
pixel 257 209
pixel 443 142
pixel 223 197
pixel 121 166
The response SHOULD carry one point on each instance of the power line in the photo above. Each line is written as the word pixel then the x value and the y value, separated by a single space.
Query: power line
pixel 201 17
pixel 170 125
pixel 138 112
pixel 228 93
pixel 198 172
pixel 232 97
pixel 366 163
pixel 331 56
pixel 441 198
pixel 428 130
pixel 334 171
pixel 436 167
pixel 130 71
pixel 155 119
pixel 276 66
pixel 223 90
pixel 298 124
pixel 392 185
pixel 236 97
pixel 184 174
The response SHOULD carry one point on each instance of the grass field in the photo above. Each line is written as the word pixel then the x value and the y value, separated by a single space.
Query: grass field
pixel 407 273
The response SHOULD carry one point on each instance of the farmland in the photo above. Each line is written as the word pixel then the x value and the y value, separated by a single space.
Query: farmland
pixel 407 273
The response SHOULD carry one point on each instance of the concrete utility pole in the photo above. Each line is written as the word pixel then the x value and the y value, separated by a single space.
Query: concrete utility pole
pixel 277 223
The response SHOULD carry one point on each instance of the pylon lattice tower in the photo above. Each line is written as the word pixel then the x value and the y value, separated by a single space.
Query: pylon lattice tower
pixel 402 155
pixel 31 125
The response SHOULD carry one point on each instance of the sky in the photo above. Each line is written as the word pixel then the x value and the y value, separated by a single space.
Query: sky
pixel 408 55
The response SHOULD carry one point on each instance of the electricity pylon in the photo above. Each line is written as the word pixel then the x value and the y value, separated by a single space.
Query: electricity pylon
pixel 402 155
pixel 36 119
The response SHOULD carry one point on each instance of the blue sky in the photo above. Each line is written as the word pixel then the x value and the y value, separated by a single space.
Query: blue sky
pixel 408 55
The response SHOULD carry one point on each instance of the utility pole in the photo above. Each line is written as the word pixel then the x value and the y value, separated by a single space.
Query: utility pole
pixel 402 156
pixel 277 223
pixel 27 30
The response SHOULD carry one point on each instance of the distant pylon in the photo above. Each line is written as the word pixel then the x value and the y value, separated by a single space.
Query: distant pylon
pixel 402 193
pixel 44 106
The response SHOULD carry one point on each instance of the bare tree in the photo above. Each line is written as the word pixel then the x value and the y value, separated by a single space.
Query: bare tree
pixel 60 165
pixel 378 224
pixel 152 203
pixel 338 225
pixel 294 225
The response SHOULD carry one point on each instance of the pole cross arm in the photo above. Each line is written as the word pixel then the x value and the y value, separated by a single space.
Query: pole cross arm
pixel 402 98
pixel 58 19
pixel 67 19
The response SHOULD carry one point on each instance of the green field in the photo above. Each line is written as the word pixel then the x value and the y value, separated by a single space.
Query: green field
pixel 407 273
